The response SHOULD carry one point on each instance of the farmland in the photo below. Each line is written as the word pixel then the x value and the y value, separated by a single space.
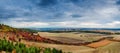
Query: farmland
pixel 100 43
pixel 65 48
pixel 110 48
pixel 53 42
pixel 73 37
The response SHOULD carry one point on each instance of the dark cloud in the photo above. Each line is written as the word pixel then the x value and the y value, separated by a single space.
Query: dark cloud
pixel 59 15
pixel 4 14
pixel 55 10
pixel 48 2
pixel 45 3
pixel 76 16
pixel 118 2
pixel 77 1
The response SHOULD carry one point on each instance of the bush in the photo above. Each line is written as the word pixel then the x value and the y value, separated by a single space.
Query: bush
pixel 48 50
pixel 19 47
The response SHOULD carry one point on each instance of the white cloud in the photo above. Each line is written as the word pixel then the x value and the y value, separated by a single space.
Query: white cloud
pixel 114 24
pixel 28 24
pixel 108 12
pixel 78 24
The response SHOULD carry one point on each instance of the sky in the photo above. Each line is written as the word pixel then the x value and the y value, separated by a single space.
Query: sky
pixel 60 13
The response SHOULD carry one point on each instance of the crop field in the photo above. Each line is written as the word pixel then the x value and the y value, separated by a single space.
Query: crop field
pixel 116 37
pixel 110 48
pixel 65 48
pixel 100 43
pixel 103 46
pixel 72 37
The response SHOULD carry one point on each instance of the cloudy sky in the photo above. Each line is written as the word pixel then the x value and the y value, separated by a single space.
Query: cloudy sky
pixel 60 13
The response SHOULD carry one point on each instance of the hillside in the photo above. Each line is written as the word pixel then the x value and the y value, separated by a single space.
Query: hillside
pixel 14 36
pixel 51 42
pixel 6 28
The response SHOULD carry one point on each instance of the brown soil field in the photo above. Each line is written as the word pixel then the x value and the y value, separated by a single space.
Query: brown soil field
pixel 100 43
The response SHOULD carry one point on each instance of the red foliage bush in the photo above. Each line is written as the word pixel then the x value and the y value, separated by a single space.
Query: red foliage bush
pixel 12 38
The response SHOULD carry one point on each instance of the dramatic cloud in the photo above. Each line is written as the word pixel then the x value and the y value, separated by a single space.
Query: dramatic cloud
pixel 60 13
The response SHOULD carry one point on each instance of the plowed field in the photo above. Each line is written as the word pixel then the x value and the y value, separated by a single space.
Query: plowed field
pixel 100 43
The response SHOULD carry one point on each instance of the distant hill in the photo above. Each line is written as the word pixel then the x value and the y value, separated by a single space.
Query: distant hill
pixel 75 29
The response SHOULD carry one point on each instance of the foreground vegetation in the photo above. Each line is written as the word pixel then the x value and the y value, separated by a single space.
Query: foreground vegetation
pixel 17 47
pixel 22 48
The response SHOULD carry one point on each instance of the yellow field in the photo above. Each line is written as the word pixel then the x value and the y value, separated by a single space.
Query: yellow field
pixel 111 48
pixel 104 46
pixel 72 37
pixel 65 48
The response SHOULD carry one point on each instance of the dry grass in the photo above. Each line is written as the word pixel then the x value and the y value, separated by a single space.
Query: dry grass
pixel 72 37
pixel 65 48
pixel 110 48
pixel 116 37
